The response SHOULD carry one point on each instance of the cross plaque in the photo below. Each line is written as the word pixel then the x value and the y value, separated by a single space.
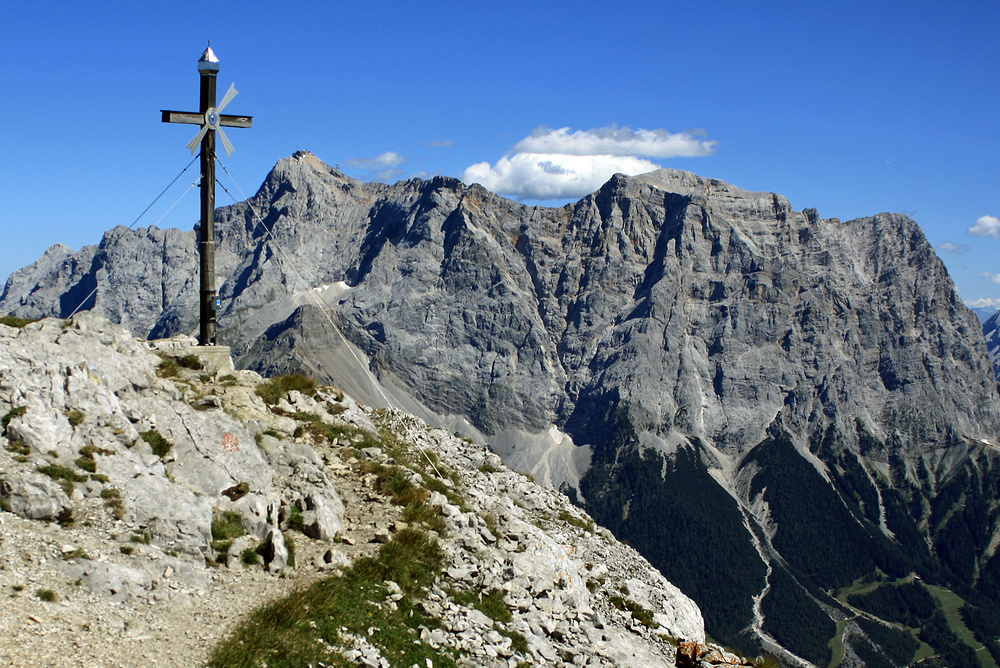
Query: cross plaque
pixel 211 119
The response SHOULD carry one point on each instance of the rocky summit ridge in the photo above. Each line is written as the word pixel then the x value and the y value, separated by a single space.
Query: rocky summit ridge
pixel 770 405
pixel 149 505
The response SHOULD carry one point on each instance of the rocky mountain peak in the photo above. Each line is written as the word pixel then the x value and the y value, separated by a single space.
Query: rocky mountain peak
pixel 668 333
pixel 178 498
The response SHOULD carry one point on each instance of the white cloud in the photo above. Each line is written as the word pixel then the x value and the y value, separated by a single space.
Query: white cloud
pixel 986 226
pixel 560 164
pixel 389 159
pixel 953 250
pixel 983 303
pixel 994 278
pixel 380 168
pixel 552 176
pixel 613 140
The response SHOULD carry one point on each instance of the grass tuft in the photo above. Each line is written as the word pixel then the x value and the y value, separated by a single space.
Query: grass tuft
pixel 16 411
pixel 250 557
pixel 225 527
pixel 299 629
pixel 190 361
pixel 14 321
pixel 276 388
pixel 168 367
pixel 157 442
pixel 642 615
pixel 143 537
pixel 75 417
pixel 47 595
pixel 568 518
pixel 65 476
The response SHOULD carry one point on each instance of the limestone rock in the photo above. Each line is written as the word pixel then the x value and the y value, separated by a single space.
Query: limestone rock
pixel 666 325
pixel 35 496
pixel 991 330
pixel 87 403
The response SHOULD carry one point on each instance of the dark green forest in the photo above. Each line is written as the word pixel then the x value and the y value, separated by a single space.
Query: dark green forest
pixel 826 530
pixel 706 551
pixel 896 645
pixel 908 603
pixel 795 621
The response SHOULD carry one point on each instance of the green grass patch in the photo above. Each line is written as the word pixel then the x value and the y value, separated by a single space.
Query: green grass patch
pixel 642 615
pixel 225 527
pixel 295 521
pixel 274 390
pixel 190 361
pixel 143 537
pixel 570 519
pixel 297 630
pixel 14 321
pixel 168 367
pixel 75 417
pixel 157 442
pixel 312 424
pixel 490 603
pixel 113 502
pixel 18 448
pixel 87 464
pixel 86 459
pixel 78 553
pixel 421 512
pixel 395 482
pixel 91 450
pixel 518 642
pixel 951 604
pixel 47 595
pixel 16 411
pixel 67 477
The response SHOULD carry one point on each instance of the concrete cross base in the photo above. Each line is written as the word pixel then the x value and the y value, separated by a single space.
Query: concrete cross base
pixel 214 358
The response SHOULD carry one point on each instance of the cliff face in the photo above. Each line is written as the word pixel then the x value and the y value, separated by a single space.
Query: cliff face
pixel 174 496
pixel 991 330
pixel 666 333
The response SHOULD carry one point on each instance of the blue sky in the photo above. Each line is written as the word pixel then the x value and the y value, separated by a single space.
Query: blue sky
pixel 853 108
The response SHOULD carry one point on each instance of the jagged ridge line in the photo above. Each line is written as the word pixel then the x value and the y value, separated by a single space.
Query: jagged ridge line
pixel 280 254
pixel 129 228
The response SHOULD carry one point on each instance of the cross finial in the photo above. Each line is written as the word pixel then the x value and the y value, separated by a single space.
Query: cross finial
pixel 208 61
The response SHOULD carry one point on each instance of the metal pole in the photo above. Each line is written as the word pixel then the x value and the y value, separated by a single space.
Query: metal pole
pixel 209 75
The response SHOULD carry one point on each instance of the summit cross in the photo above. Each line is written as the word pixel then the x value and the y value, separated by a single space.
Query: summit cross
pixel 211 119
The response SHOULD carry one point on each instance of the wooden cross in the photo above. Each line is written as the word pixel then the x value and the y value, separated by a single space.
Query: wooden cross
pixel 211 119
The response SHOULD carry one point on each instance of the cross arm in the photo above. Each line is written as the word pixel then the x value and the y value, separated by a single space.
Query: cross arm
pixel 194 118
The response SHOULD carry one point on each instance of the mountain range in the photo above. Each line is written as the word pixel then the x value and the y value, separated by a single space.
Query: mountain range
pixel 776 409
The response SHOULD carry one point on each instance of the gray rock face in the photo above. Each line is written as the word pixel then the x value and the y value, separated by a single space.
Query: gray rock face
pixel 668 324
pixel 83 401
pixel 690 304
pixel 991 330
pixel 35 497
pixel 113 441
